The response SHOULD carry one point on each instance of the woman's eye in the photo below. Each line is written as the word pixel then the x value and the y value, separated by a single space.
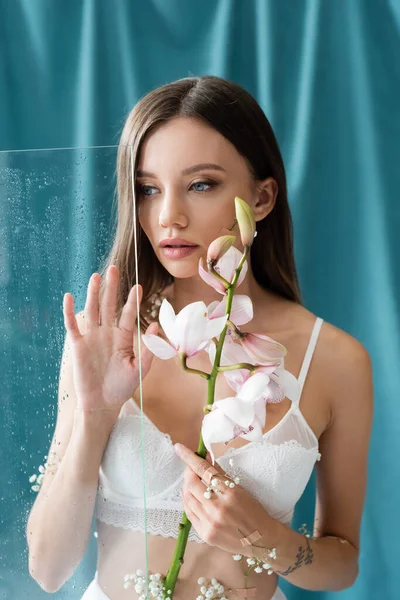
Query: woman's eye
pixel 199 186
pixel 146 190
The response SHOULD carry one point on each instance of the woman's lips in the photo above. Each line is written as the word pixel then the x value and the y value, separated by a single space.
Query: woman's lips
pixel 178 252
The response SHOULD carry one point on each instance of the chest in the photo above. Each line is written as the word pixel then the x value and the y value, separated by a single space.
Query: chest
pixel 173 399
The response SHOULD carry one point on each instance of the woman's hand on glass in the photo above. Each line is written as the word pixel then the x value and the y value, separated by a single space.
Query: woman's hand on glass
pixel 105 366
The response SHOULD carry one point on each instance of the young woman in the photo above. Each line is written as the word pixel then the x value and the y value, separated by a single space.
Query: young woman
pixel 193 146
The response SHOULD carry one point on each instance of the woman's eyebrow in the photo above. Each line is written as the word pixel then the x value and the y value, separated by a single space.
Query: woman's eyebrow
pixel 188 171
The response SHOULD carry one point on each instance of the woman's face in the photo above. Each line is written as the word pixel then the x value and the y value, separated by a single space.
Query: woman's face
pixel 187 178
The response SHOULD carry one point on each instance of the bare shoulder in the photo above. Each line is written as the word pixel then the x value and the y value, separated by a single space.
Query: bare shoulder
pixel 342 372
pixel 341 364
pixel 342 357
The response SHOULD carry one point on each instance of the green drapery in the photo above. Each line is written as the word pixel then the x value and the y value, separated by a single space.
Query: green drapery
pixel 327 75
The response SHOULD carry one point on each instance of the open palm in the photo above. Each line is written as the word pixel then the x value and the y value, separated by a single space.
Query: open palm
pixel 105 367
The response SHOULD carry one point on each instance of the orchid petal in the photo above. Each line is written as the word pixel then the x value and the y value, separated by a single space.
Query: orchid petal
pixel 273 392
pixel 255 434
pixel 253 388
pixel 216 427
pixel 158 346
pixel 289 383
pixel 211 279
pixel 211 308
pixel 203 346
pixel 260 410
pixel 167 320
pixel 238 410
pixel 227 265
pixel 262 348
pixel 214 327
pixel 237 378
pixel 242 310
pixel 268 369
pixel 233 353
pixel 189 325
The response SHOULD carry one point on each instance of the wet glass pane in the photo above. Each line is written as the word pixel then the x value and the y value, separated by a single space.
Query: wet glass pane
pixel 56 228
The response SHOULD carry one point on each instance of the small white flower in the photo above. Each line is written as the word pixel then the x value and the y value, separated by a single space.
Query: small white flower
pixel 258 570
pixel 251 561
pixel 201 580
pixel 237 557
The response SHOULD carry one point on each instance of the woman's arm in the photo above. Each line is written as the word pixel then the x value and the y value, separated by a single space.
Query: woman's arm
pixel 59 523
pixel 331 563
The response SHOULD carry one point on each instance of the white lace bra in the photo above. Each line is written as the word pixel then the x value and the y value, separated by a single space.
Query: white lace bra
pixel 275 470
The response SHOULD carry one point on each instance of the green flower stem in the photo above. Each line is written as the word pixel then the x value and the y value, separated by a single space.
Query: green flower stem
pixel 183 359
pixel 185 524
pixel 218 276
pixel 237 366
pixel 246 575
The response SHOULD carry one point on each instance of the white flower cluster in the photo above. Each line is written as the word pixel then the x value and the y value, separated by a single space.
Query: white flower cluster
pixel 210 590
pixel 38 479
pixel 259 564
pixel 156 587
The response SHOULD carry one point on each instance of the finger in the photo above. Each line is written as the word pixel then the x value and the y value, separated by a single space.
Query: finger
pixel 109 300
pixel 192 508
pixel 130 310
pixel 70 322
pixel 196 488
pixel 92 301
pixel 197 464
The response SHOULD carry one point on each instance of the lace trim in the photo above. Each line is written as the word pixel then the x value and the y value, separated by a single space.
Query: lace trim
pixel 164 523
pixel 263 442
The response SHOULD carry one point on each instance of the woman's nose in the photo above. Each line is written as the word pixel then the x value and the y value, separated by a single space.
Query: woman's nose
pixel 172 212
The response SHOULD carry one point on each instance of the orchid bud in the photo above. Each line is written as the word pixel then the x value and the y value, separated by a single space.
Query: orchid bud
pixel 262 349
pixel 246 221
pixel 219 247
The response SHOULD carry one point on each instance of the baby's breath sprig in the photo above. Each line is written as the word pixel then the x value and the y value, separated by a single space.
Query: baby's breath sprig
pixel 156 588
pixel 258 564
pixel 38 479
pixel 211 589
pixel 304 531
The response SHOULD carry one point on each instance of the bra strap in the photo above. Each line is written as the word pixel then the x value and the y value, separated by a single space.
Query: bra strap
pixel 309 353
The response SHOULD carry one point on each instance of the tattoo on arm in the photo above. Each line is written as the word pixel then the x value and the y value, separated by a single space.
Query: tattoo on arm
pixel 305 556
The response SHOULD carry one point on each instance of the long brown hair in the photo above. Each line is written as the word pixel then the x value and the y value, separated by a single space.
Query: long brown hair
pixel 234 113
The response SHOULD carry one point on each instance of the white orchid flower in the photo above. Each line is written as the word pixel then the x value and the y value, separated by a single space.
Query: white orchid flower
pixel 281 382
pixel 240 416
pixel 189 332
pixel 226 267
pixel 241 310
